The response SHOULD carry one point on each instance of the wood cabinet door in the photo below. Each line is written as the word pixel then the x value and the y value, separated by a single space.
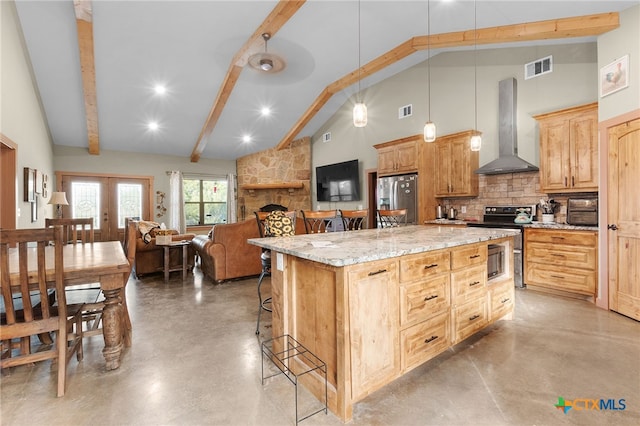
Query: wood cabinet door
pixel 554 155
pixel 407 157
pixel 386 160
pixel 442 169
pixel 624 213
pixel 460 168
pixel 373 326
pixel 584 152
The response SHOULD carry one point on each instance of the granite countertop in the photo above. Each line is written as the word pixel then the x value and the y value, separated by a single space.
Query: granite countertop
pixel 543 225
pixel 353 247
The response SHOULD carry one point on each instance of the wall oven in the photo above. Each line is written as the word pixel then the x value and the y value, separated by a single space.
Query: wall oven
pixel 503 217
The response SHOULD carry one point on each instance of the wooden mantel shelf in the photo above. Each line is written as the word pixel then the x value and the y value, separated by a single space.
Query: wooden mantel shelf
pixel 291 186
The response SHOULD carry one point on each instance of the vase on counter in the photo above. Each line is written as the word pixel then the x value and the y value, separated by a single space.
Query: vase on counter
pixel 547 217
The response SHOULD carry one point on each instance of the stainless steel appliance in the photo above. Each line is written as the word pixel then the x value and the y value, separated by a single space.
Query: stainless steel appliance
pixel 503 217
pixel 495 260
pixel 399 192
pixel 582 211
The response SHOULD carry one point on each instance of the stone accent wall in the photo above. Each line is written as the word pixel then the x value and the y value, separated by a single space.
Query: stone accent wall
pixel 513 189
pixel 292 164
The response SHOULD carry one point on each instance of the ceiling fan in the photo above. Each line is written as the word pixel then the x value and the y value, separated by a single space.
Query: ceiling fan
pixel 266 62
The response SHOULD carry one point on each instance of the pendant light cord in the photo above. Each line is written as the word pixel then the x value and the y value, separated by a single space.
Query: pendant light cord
pixel 359 51
pixel 475 61
pixel 428 62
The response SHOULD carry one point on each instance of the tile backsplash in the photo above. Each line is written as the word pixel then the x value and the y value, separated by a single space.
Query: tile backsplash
pixel 510 189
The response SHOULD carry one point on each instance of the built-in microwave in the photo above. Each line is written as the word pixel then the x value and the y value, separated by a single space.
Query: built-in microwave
pixel 495 260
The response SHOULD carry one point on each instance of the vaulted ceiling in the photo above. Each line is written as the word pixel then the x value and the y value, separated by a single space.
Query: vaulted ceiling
pixel 96 63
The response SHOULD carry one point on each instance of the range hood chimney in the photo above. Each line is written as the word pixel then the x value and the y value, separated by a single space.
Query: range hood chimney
pixel 508 160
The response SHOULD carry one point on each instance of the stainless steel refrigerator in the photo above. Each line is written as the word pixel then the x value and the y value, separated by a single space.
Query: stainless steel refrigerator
pixel 399 192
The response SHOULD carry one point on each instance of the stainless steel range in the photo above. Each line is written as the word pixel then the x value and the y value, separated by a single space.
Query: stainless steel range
pixel 503 217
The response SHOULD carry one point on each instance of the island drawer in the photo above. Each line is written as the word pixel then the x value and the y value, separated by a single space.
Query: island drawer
pixel 468 284
pixel 468 256
pixel 425 340
pixel 555 254
pixel 420 301
pixel 469 318
pixel 424 265
pixel 501 300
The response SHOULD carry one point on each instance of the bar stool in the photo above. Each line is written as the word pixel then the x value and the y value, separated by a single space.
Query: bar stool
pixel 271 224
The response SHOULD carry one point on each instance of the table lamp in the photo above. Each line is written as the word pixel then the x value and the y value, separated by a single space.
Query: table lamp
pixel 59 199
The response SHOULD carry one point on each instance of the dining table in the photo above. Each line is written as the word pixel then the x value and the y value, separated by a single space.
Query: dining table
pixel 104 262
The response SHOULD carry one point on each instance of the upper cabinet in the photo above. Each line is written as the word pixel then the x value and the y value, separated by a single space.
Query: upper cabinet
pixel 399 156
pixel 569 149
pixel 454 166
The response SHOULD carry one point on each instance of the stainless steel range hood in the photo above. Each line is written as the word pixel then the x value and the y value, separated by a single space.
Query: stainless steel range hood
pixel 508 160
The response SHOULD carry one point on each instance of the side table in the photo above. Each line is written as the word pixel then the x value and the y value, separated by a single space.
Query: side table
pixel 167 263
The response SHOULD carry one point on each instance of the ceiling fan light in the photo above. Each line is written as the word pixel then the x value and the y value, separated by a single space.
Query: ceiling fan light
pixel 430 132
pixel 360 115
pixel 266 64
pixel 476 143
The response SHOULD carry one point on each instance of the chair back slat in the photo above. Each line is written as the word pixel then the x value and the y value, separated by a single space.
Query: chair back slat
pixel 354 220
pixel 261 219
pixel 317 221
pixel 76 230
pixel 392 218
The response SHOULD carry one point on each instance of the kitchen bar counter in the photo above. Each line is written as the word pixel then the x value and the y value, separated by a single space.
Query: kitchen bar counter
pixel 354 247
pixel 375 304
pixel 554 225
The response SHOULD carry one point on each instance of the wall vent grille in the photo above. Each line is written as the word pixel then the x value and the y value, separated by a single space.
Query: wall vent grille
pixel 538 67
pixel 405 111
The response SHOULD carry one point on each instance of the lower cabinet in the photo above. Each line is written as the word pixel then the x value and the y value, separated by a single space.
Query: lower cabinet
pixel 560 260
pixel 425 340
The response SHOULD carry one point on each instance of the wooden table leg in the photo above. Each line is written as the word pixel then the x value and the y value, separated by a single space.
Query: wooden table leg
pixel 112 328
pixel 166 263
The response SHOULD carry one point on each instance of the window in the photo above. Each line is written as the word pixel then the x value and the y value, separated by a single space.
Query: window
pixel 205 201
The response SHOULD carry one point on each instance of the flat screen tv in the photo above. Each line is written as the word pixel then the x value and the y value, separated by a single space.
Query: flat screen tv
pixel 338 182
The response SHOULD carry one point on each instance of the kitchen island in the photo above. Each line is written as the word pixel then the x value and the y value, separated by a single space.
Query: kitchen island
pixel 374 304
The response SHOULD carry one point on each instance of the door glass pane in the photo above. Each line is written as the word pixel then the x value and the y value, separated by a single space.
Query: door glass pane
pixel 129 201
pixel 85 202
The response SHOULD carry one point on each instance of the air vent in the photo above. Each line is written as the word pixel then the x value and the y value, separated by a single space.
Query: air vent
pixel 326 137
pixel 538 67
pixel 405 111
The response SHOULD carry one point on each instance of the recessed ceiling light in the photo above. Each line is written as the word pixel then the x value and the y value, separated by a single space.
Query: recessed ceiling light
pixel 246 138
pixel 160 89
pixel 265 111
pixel 153 125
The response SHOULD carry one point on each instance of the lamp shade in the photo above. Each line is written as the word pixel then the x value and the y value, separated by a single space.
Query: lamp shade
pixel 59 198
pixel 430 132
pixel 476 143
pixel 360 115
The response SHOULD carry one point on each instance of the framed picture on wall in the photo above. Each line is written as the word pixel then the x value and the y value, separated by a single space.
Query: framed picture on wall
pixel 38 187
pixel 615 76
pixel 29 185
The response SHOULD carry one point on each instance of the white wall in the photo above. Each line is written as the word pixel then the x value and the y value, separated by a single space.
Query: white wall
pixel 21 117
pixel 613 45
pixel 571 83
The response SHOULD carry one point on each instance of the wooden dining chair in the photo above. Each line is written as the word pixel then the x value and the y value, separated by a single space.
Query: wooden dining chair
pixel 28 311
pixel 267 229
pixel 76 230
pixel 354 220
pixel 318 221
pixel 392 218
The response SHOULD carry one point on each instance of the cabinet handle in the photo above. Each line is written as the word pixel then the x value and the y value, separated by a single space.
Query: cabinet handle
pixel 557 276
pixel 381 271
pixel 557 238
pixel 474 256
pixel 476 316
pixel 504 300
pixel 433 296
pixel 565 181
pixel 430 339
pixel 557 254
pixel 474 283
pixel 573 181
pixel 433 265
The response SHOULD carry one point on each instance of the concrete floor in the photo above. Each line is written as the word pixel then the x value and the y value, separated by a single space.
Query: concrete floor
pixel 195 360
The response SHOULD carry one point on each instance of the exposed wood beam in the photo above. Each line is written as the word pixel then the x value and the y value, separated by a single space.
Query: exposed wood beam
pixel 279 16
pixel 87 66
pixel 579 26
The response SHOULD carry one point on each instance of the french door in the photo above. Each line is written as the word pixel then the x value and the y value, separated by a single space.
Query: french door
pixel 106 199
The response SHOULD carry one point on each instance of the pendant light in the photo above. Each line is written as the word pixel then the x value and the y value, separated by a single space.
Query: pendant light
pixel 360 109
pixel 430 126
pixel 476 140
